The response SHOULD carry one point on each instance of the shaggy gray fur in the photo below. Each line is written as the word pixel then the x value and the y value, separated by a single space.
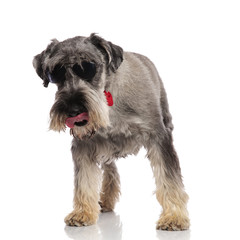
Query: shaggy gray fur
pixel 138 118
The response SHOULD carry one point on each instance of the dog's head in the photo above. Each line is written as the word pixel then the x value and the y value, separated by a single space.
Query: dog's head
pixel 79 67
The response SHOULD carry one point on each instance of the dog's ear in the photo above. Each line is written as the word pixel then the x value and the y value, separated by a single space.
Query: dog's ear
pixel 112 52
pixel 38 62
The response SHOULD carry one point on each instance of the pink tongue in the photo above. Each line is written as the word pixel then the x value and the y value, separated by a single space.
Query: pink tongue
pixel 79 118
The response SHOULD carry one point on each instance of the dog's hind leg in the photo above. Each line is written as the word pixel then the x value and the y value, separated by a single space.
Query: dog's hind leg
pixel 169 187
pixel 110 187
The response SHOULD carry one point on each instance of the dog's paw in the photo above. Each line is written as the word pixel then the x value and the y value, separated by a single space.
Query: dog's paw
pixel 79 219
pixel 106 207
pixel 173 223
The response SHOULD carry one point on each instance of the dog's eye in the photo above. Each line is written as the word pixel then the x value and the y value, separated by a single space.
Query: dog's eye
pixel 57 75
pixel 86 71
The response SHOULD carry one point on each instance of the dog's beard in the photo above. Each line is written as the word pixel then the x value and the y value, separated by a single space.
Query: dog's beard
pixel 57 120
pixel 98 117
pixel 90 128
pixel 97 112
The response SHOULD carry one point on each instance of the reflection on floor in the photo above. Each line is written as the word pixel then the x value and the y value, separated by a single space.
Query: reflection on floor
pixel 110 227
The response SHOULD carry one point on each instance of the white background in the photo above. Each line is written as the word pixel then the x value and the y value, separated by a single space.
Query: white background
pixel 196 48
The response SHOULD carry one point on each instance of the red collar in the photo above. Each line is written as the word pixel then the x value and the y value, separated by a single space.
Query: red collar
pixel 109 98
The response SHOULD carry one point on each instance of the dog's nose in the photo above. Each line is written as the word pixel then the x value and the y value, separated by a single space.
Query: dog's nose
pixel 73 114
pixel 75 110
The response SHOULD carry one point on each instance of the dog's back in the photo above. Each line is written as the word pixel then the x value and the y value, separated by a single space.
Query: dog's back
pixel 139 90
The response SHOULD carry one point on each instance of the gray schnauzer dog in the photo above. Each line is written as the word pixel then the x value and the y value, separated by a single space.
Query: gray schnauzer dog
pixel 114 103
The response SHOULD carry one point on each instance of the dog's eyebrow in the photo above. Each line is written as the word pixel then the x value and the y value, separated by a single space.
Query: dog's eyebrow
pixel 68 65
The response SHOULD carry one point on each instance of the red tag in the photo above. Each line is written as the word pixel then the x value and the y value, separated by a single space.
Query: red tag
pixel 109 98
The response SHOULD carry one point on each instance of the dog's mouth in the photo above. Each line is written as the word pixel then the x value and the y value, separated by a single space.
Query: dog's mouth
pixel 79 120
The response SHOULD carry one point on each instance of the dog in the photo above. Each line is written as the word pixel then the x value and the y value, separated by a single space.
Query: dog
pixel 114 103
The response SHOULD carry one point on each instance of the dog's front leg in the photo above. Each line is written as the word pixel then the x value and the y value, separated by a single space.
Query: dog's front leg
pixel 86 193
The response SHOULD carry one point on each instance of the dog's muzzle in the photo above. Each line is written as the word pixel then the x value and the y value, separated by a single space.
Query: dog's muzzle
pixel 79 120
